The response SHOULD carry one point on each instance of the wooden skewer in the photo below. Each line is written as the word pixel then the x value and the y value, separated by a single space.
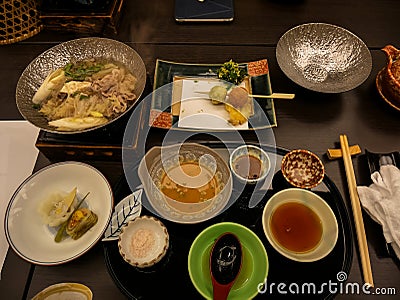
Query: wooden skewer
pixel 357 213
pixel 275 96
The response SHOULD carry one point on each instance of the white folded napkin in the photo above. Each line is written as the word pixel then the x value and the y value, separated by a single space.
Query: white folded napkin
pixel 17 159
pixel 382 202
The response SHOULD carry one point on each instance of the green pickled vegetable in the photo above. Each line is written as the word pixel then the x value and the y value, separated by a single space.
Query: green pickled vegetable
pixel 81 70
pixel 62 229
pixel 232 72
pixel 217 94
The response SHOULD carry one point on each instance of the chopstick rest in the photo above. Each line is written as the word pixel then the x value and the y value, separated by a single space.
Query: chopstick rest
pixel 356 207
pixel 337 153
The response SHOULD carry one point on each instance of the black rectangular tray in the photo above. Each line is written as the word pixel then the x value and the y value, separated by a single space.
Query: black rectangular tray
pixel 171 274
pixel 375 160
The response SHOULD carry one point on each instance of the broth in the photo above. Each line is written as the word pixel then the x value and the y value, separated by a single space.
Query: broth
pixel 296 227
pixel 187 194
pixel 248 166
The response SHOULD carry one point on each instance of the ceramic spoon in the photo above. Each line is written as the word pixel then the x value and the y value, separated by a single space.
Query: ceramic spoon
pixel 225 264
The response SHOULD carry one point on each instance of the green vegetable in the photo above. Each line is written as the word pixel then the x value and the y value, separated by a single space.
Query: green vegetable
pixel 217 94
pixel 80 71
pixel 61 230
pixel 232 72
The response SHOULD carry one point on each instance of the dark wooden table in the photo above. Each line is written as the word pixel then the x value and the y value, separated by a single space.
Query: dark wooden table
pixel 312 121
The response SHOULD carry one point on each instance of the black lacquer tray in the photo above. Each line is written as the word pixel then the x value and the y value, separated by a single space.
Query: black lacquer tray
pixel 375 161
pixel 170 277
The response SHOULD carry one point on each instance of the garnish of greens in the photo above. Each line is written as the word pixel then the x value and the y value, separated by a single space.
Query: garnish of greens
pixel 232 72
pixel 82 70
pixel 61 230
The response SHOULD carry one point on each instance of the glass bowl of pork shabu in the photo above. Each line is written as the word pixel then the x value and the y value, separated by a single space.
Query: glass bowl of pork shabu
pixel 80 85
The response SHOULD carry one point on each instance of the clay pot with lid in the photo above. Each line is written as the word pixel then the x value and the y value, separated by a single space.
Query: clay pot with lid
pixel 391 74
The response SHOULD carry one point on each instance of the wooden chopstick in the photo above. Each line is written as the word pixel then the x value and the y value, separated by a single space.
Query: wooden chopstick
pixel 357 214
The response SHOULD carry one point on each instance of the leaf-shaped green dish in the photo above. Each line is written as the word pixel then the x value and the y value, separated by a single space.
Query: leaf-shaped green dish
pixel 127 209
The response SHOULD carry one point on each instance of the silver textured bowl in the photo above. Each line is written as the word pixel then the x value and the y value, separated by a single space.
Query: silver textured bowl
pixel 74 50
pixel 324 57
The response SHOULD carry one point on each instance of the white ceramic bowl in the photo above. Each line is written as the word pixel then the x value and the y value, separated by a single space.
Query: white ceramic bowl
pixel 259 154
pixel 33 240
pixel 143 242
pixel 68 290
pixel 319 207
pixel 324 57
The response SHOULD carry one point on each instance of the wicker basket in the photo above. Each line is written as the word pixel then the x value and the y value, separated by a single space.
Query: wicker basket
pixel 19 20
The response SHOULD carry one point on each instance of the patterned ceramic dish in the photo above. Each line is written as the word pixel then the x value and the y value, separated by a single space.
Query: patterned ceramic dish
pixel 126 210
pixel 249 163
pixel 72 51
pixel 302 169
pixel 391 74
pixel 324 57
pixel 143 242
pixel 381 90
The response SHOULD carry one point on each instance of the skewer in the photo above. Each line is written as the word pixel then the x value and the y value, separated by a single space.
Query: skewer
pixel 357 213
pixel 273 95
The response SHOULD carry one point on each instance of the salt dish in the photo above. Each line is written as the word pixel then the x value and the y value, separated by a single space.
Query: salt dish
pixel 143 242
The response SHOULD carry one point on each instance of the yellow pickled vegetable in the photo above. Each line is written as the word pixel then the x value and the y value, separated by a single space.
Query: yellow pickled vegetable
pixel 217 94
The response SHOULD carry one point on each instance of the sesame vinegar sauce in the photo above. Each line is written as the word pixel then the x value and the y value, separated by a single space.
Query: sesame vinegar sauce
pixel 248 166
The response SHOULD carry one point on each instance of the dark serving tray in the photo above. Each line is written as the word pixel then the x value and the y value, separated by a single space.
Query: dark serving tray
pixel 375 161
pixel 171 277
